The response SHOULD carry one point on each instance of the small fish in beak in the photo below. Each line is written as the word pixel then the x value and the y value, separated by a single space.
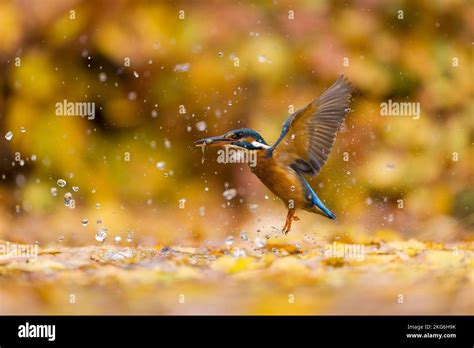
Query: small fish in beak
pixel 214 141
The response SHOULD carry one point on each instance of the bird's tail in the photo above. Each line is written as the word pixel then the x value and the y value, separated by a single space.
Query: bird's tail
pixel 318 206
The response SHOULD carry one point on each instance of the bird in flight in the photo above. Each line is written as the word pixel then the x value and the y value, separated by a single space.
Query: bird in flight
pixel 301 150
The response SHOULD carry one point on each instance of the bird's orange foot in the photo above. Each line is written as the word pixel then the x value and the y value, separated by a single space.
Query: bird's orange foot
pixel 289 219
pixel 287 227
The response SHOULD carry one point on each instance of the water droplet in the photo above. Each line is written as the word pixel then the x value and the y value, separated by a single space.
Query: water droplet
pixel 130 236
pixel 118 239
pixel 253 208
pixel 127 252
pixel 154 113
pixel 229 194
pixel 182 67
pixel 243 236
pixel 160 165
pixel 368 201
pixel 238 252
pixel 390 166
pixel 61 182
pixel 167 143
pixel 261 59
pixel 201 126
pixel 75 188
pixel 101 234
pixel 9 136
pixel 136 75
pixel 293 187
pixel 85 222
pixel 54 191
pixel 102 77
pixel 97 205
pixel 390 218
pixel 260 242
pixel 132 96
pixel 68 200
pixel 229 241
pixel 202 211
pixel 23 129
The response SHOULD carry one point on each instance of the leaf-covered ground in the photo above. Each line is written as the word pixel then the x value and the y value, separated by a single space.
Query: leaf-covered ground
pixel 401 277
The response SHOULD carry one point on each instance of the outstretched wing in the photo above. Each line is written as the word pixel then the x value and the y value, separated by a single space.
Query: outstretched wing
pixel 309 134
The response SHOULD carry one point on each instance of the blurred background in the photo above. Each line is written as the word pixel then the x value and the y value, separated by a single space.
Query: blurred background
pixel 164 74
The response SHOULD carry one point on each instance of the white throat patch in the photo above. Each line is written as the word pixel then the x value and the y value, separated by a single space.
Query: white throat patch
pixel 260 145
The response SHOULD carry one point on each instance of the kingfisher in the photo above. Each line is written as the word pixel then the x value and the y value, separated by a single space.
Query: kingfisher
pixel 301 150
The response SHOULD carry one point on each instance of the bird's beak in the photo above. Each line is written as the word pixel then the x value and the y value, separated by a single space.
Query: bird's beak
pixel 214 141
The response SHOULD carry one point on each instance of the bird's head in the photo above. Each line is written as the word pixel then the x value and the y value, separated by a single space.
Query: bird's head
pixel 241 138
